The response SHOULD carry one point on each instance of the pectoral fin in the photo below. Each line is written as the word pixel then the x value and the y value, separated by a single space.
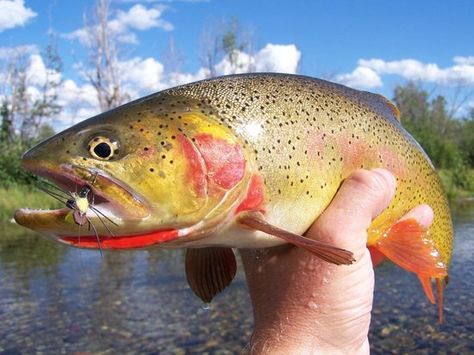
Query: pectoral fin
pixel 408 244
pixel 324 251
pixel 210 270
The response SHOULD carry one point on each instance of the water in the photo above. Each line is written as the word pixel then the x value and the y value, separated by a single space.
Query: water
pixel 55 299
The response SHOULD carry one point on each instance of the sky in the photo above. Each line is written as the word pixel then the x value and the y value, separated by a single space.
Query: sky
pixel 367 44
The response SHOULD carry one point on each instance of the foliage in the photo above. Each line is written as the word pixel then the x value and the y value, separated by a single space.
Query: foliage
pixel 14 196
pixel 225 41
pixel 447 140
pixel 28 97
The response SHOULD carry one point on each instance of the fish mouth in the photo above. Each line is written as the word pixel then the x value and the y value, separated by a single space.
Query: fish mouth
pixel 120 220
pixel 114 214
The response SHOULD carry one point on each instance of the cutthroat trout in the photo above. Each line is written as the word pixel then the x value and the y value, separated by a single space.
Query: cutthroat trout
pixel 225 163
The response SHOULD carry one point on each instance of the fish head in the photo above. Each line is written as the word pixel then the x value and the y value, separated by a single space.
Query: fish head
pixel 160 170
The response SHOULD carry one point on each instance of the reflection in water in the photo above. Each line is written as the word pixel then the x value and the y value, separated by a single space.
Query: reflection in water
pixel 54 298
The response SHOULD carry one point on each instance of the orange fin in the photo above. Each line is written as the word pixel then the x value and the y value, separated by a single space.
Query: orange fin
pixel 441 283
pixel 210 270
pixel 408 245
pixel 427 287
pixel 376 255
pixel 324 251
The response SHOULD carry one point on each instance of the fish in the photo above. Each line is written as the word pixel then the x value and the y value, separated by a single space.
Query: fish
pixel 225 162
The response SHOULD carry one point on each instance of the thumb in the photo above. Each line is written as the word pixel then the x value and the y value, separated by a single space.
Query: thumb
pixel 361 198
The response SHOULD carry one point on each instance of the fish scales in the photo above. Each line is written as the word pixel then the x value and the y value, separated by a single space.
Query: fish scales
pixel 243 161
pixel 308 135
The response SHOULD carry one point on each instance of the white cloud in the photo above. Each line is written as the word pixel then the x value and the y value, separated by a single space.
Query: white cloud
pixel 464 60
pixel 240 64
pixel 361 77
pixel 142 74
pixel 13 52
pixel 72 95
pixel 140 18
pixel 278 58
pixel 175 79
pixel 79 101
pixel 368 72
pixel 271 58
pixel 13 13
pixel 137 18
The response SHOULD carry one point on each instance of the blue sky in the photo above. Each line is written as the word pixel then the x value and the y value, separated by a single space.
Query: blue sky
pixel 396 40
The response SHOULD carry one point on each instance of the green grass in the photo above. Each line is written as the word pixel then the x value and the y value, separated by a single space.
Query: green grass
pixel 18 196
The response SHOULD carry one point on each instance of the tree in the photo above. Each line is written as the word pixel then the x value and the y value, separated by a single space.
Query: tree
pixel 430 124
pixel 29 96
pixel 172 57
pixel 103 51
pixel 225 42
pixel 412 101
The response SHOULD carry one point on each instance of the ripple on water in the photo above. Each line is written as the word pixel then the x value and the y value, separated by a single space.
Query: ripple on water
pixel 54 299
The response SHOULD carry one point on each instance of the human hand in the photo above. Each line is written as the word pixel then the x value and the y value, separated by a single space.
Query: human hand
pixel 304 305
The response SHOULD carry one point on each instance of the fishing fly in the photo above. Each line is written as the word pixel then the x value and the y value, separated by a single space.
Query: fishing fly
pixel 79 203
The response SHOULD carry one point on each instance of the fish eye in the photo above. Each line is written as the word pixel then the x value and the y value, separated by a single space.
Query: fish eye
pixel 102 148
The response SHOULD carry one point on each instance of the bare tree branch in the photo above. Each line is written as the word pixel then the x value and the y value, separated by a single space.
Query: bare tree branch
pixel 102 45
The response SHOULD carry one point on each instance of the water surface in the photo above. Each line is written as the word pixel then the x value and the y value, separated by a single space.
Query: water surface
pixel 55 299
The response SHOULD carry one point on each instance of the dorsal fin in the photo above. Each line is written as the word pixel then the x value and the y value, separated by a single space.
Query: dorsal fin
pixel 391 106
pixel 381 104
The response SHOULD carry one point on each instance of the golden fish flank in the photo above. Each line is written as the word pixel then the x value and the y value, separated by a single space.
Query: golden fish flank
pixel 210 163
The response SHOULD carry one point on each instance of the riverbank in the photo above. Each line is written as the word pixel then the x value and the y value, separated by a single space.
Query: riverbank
pixel 17 196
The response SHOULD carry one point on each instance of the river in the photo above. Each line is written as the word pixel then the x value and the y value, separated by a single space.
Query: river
pixel 55 299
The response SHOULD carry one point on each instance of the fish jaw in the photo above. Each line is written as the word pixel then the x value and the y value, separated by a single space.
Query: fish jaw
pixel 118 210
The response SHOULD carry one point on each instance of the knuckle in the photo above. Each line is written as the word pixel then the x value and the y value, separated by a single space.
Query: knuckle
pixel 374 181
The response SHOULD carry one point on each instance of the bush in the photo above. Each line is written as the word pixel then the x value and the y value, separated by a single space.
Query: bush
pixel 11 172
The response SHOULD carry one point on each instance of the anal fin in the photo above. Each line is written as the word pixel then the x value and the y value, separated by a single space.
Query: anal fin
pixel 376 256
pixel 209 270
pixel 408 244
pixel 427 287
pixel 324 251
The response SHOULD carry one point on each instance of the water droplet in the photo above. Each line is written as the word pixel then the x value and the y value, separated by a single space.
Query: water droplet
pixel 206 306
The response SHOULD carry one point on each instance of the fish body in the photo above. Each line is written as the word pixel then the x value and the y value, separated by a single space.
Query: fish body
pixel 180 167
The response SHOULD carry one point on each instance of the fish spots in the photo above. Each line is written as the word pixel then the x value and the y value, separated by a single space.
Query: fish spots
pixel 224 160
pixel 147 152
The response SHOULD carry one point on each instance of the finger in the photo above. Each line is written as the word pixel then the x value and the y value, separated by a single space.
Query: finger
pixel 361 198
pixel 422 213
